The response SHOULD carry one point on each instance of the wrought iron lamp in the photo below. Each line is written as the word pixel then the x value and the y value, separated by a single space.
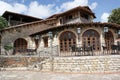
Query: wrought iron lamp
pixel 105 29
pixel 36 40
pixel 78 32
pixel 50 35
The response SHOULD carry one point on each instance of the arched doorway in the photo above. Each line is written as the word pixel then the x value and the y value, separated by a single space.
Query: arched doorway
pixel 91 38
pixel 19 45
pixel 109 39
pixel 67 39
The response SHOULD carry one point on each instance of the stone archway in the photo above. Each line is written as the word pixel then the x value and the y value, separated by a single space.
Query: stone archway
pixel 109 39
pixel 91 38
pixel 67 39
pixel 20 44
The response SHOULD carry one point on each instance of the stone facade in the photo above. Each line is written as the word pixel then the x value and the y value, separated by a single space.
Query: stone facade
pixel 58 24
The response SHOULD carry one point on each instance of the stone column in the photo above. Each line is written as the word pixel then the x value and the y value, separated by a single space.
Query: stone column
pixel 102 39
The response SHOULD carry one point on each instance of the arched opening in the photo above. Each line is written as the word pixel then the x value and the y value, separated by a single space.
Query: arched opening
pixel 20 45
pixel 91 38
pixel 67 39
pixel 109 39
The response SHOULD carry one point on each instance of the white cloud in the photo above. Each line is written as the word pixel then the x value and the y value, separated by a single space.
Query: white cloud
pixel 75 3
pixel 34 9
pixel 4 6
pixel 104 17
pixel 72 4
pixel 19 8
pixel 93 5
pixel 38 10
pixel 42 11
pixel 15 7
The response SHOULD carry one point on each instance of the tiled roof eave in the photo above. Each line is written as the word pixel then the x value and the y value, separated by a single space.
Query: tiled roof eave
pixel 96 24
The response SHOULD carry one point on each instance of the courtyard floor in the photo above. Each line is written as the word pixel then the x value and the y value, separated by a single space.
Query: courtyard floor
pixel 35 75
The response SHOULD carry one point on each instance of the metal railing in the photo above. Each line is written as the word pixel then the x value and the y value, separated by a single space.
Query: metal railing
pixel 74 50
pixel 82 50
pixel 44 52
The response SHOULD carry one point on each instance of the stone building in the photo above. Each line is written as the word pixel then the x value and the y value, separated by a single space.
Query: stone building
pixel 74 27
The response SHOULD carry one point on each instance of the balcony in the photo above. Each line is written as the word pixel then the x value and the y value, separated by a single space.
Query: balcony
pixel 74 20
pixel 14 22
pixel 68 21
pixel 83 20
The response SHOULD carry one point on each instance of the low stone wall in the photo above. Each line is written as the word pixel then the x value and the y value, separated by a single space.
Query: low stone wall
pixel 86 64
pixel 11 62
pixel 83 64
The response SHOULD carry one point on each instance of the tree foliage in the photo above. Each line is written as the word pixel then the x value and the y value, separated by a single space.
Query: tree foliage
pixel 3 23
pixel 114 16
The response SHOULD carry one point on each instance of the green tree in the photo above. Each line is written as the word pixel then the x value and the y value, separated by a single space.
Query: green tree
pixel 114 16
pixel 3 23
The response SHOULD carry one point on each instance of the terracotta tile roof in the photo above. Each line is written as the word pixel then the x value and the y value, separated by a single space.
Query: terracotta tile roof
pixel 89 24
pixel 25 24
pixel 96 24
pixel 82 8
pixel 67 25
pixel 53 16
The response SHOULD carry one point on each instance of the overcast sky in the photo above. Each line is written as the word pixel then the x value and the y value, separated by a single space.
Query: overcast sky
pixel 45 8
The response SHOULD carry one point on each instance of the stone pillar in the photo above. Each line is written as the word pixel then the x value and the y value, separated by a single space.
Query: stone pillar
pixel 41 45
pixel 31 43
pixel 102 40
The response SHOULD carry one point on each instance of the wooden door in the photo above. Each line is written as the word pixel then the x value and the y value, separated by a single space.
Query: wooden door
pixel 20 45
pixel 67 39
pixel 91 38
pixel 109 39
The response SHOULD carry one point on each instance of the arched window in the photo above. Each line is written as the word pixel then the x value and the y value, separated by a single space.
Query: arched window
pixel 20 44
pixel 67 39
pixel 91 38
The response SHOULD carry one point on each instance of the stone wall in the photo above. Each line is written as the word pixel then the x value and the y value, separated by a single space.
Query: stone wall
pixel 86 64
pixel 11 62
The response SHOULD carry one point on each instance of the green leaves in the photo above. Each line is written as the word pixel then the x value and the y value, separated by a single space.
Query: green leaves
pixel 3 23
pixel 8 47
pixel 115 16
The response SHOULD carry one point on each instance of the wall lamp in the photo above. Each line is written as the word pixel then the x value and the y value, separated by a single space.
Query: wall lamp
pixel 78 32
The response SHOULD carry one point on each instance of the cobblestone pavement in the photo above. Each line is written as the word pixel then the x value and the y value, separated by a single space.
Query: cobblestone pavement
pixel 34 75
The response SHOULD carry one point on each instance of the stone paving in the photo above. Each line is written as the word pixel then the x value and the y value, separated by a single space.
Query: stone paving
pixel 35 75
